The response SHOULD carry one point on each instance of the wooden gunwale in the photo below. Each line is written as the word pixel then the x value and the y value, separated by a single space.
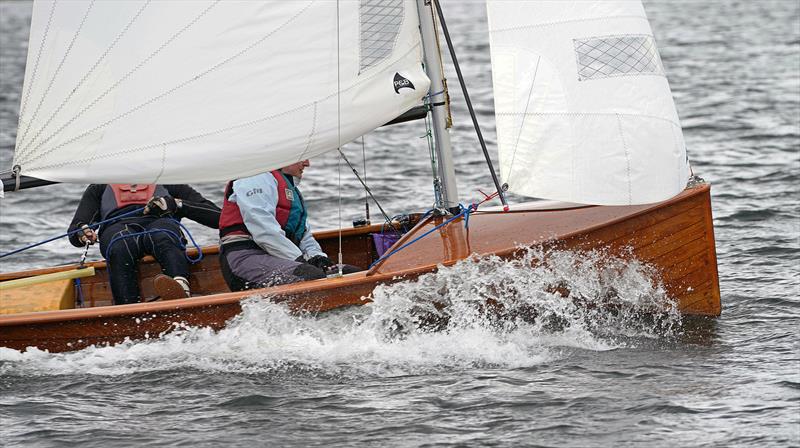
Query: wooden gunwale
pixel 192 252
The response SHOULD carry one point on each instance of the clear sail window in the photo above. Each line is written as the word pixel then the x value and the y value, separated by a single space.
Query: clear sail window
pixel 624 55
pixel 380 25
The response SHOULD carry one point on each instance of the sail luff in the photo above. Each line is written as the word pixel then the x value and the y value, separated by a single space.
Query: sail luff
pixel 22 112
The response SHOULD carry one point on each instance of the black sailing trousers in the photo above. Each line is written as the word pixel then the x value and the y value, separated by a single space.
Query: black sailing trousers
pixel 125 242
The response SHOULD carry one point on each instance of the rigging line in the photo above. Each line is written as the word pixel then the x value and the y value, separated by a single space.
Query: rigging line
pixel 367 189
pixel 465 212
pixel 469 104
pixel 92 226
pixel 89 72
pixel 339 127
pixel 55 75
pixel 175 88
pixel 127 75
pixel 437 192
pixel 366 196
pixel 339 174
pixel 524 116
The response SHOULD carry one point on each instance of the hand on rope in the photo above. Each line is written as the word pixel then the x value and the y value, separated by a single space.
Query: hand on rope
pixel 88 235
pixel 162 206
pixel 72 232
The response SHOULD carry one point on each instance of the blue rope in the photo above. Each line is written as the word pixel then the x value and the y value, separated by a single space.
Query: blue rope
pixel 119 237
pixel 93 226
pixel 194 243
pixel 80 292
pixel 431 95
pixel 465 211
pixel 113 240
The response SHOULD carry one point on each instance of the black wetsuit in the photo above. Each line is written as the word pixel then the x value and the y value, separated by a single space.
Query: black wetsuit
pixel 162 237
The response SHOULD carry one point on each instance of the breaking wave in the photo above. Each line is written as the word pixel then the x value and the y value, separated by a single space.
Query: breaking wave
pixel 486 312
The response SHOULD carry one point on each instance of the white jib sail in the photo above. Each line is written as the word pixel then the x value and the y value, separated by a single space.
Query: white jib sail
pixel 584 111
pixel 175 91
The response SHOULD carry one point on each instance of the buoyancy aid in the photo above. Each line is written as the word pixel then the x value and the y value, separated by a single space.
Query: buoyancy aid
pixel 230 220
pixel 117 196
pixel 290 211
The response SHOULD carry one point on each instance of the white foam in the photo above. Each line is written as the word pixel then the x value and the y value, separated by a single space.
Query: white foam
pixel 403 332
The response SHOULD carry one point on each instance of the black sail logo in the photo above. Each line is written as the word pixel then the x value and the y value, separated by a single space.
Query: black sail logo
pixel 401 83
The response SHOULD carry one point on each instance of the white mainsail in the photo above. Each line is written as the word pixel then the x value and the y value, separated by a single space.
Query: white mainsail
pixel 584 111
pixel 175 91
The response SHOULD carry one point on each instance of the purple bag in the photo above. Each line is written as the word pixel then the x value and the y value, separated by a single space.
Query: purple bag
pixel 383 241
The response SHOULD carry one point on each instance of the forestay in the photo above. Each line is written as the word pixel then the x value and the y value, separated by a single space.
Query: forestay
pixel 584 110
pixel 187 91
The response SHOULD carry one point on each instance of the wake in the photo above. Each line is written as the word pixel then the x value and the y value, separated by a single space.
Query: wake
pixel 479 313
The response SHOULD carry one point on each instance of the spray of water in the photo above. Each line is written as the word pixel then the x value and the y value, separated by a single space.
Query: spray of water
pixel 479 313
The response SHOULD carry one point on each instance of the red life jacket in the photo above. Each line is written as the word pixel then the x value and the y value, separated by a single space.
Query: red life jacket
pixel 117 196
pixel 231 221
pixel 285 199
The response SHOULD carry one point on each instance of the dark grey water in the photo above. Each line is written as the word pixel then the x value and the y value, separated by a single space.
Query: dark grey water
pixel 348 379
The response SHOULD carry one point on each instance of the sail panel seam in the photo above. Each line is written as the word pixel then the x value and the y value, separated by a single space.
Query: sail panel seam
pixel 562 22
pixel 163 164
pixel 627 158
pixel 127 75
pixel 590 114
pixel 222 130
pixel 311 134
pixel 38 58
pixel 55 75
pixel 174 89
pixel 85 77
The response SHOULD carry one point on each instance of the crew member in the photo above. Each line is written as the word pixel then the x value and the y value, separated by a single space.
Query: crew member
pixel 265 238
pixel 155 231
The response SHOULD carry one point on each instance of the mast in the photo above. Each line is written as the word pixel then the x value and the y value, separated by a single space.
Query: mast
pixel 433 68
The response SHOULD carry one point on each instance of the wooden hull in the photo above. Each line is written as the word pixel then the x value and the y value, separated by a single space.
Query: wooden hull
pixel 676 237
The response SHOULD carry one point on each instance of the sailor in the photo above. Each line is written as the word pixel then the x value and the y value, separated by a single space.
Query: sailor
pixel 265 238
pixel 154 231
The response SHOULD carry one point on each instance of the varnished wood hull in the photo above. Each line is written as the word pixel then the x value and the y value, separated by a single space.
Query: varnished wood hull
pixel 676 237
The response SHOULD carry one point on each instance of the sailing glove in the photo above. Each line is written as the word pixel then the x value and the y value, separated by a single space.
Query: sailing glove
pixel 161 206
pixel 320 261
pixel 88 235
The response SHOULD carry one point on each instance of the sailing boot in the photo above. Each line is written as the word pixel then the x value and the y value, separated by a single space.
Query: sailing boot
pixel 169 288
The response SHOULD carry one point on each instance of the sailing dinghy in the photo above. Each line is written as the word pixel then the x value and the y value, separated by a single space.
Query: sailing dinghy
pixel 201 91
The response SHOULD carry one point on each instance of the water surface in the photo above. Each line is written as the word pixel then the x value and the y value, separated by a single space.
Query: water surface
pixel 362 377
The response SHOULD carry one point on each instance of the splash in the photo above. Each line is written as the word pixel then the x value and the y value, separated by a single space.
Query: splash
pixel 585 299
pixel 479 313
